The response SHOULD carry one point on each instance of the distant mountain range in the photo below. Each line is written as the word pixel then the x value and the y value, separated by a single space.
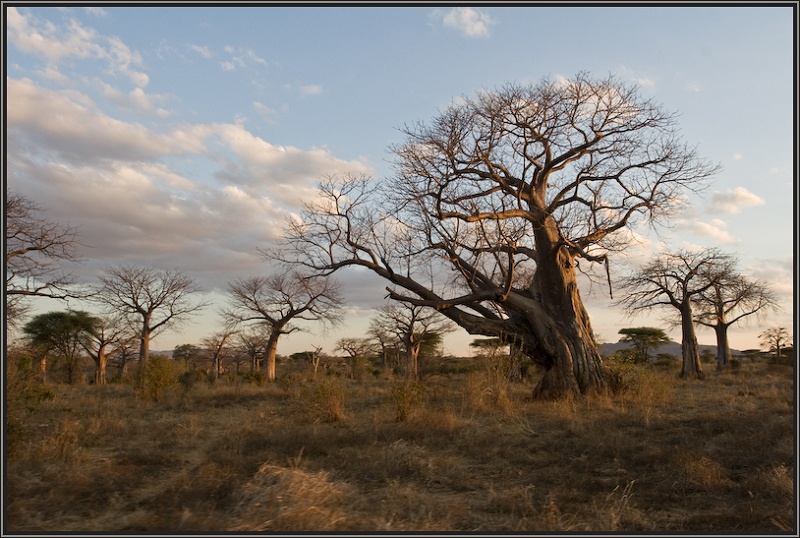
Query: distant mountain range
pixel 671 348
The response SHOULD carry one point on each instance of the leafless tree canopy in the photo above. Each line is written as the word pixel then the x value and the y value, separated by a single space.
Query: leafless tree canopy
pixel 154 299
pixel 496 202
pixel 282 298
pixel 677 280
pixel 36 249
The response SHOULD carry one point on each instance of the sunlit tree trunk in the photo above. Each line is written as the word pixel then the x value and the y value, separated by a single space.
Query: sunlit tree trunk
pixel 692 367
pixel 270 354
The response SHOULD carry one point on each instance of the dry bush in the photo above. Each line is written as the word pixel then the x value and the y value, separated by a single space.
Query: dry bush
pixel 406 398
pixel 324 400
pixel 291 499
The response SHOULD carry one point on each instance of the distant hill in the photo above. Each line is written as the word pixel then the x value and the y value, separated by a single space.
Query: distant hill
pixel 672 348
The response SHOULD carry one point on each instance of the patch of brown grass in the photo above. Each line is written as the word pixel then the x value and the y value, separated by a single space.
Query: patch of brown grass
pixel 341 455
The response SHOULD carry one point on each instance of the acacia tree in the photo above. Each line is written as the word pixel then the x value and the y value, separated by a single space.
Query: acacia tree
pixel 35 250
pixel 509 192
pixel 156 299
pixel 281 299
pixel 412 325
pixel 676 280
pixel 60 333
pixel 730 299
pixel 644 339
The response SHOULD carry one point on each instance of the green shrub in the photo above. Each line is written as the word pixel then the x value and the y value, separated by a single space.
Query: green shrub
pixel 160 374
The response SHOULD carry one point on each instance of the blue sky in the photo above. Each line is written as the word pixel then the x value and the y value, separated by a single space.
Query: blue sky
pixel 181 137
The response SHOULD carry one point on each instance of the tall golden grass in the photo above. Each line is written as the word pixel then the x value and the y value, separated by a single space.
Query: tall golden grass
pixel 469 452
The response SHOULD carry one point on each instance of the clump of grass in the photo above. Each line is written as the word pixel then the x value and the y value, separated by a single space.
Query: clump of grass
pixel 292 499
pixel 325 400
pixel 406 398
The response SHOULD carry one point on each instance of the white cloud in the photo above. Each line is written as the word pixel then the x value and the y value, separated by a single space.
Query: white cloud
pixel 311 89
pixel 205 52
pixel 136 195
pixel 738 157
pixel 269 114
pixel 69 124
pixel 714 230
pixel 136 100
pixel 470 22
pixel 241 58
pixel 54 43
pixel 733 201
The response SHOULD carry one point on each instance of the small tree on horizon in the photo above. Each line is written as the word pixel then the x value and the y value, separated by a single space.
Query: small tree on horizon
pixel 644 339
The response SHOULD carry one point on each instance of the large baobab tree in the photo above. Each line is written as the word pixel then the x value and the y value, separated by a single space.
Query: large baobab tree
pixel 676 280
pixel 36 249
pixel 281 299
pixel 155 299
pixel 510 193
pixel 731 299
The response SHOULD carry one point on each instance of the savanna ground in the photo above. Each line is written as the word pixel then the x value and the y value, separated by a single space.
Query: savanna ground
pixel 462 452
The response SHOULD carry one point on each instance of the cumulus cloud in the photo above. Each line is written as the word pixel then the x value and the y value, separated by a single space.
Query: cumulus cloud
pixel 470 22
pixel 136 100
pixel 202 198
pixel 714 230
pixel 733 201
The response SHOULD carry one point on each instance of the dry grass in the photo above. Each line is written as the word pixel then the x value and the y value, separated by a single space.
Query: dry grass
pixel 465 453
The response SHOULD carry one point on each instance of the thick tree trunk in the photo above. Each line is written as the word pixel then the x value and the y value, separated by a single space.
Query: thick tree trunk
pixel 560 324
pixel 691 357
pixel 144 354
pixel 723 347
pixel 270 352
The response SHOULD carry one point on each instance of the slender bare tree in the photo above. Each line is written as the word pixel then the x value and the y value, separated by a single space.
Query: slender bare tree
pixel 281 299
pixel 776 339
pixel 36 250
pixel 219 348
pixel 676 280
pixel 157 299
pixel 511 193
pixel 731 299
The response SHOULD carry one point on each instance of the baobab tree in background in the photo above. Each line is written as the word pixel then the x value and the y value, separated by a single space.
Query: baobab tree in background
pixel 281 299
pixel 412 325
pixel 252 343
pixel 102 339
pixel 775 339
pixel 219 347
pixel 154 299
pixel 357 349
pixel 36 249
pixel 506 193
pixel 676 280
pixel 730 299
